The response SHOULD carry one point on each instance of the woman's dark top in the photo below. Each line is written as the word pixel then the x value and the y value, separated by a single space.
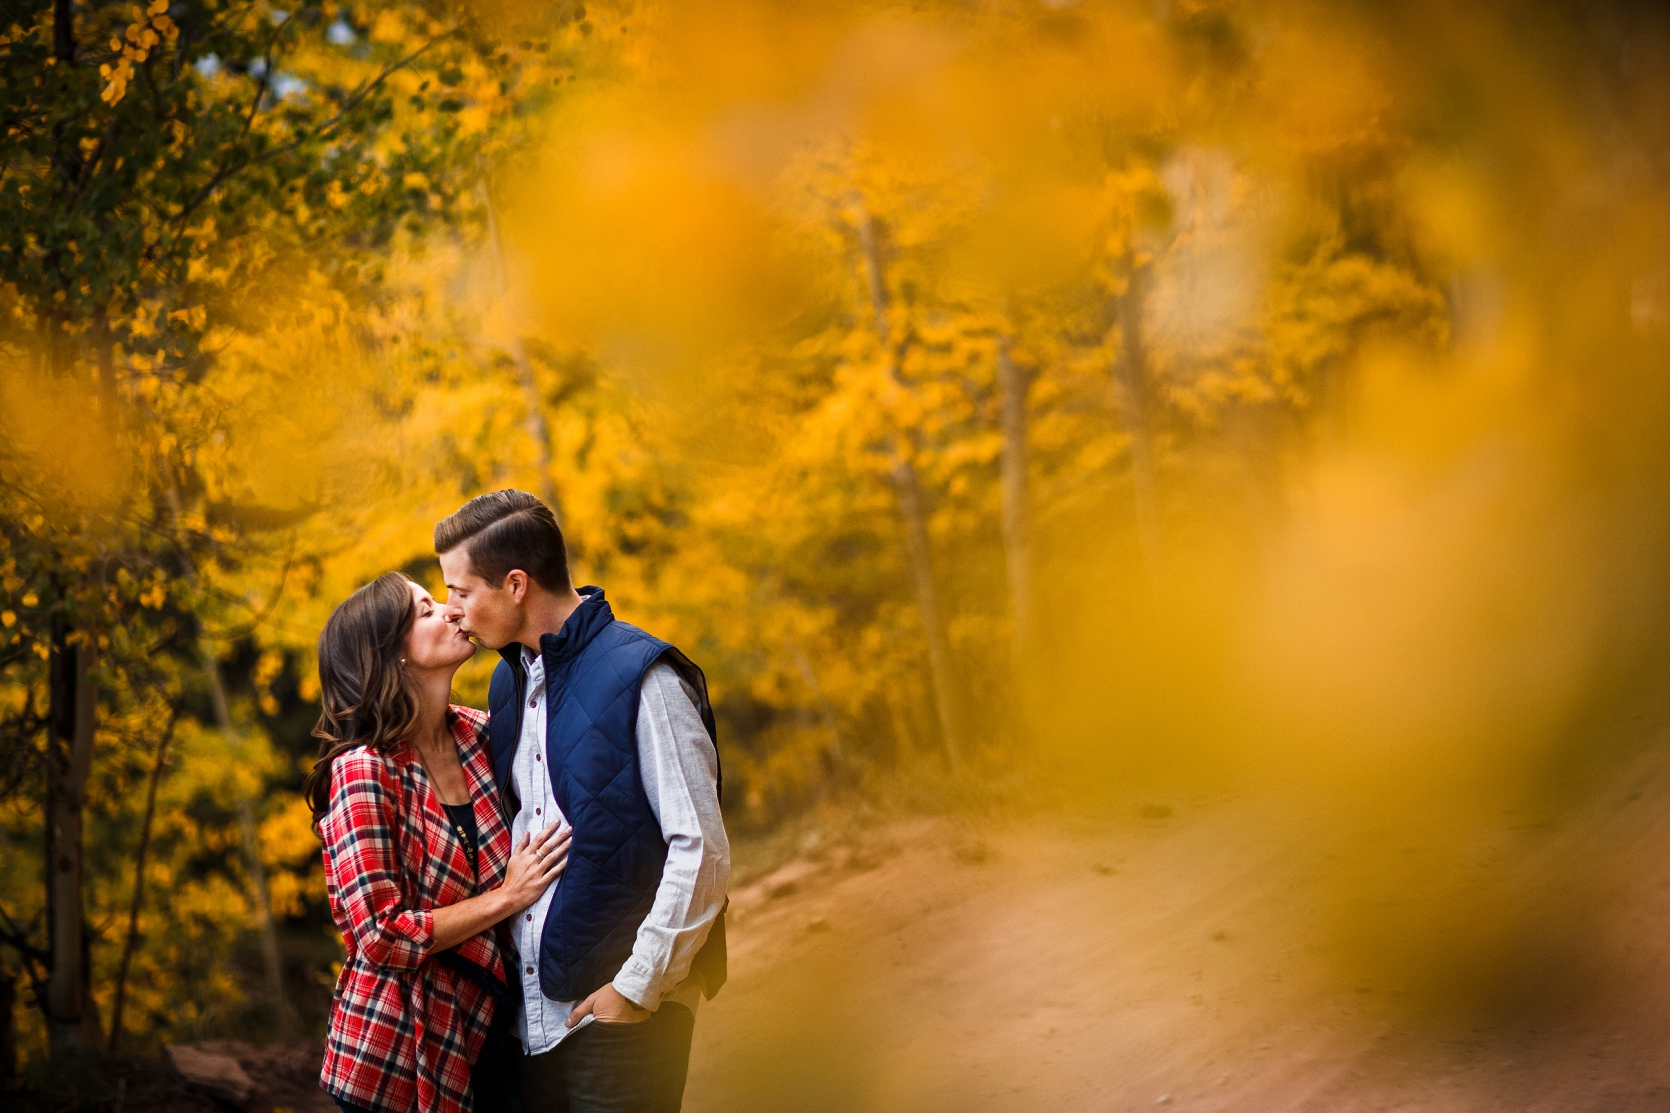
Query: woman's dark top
pixel 463 824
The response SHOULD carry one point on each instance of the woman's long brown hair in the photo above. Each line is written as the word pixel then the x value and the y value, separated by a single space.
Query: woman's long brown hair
pixel 366 697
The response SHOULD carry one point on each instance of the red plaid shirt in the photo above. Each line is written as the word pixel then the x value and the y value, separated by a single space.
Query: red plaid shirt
pixel 404 1028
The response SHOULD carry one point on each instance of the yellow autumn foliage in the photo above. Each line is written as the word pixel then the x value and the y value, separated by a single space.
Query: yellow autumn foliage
pixel 1340 442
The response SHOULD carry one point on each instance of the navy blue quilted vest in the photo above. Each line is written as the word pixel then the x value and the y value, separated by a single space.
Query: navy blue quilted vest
pixel 594 670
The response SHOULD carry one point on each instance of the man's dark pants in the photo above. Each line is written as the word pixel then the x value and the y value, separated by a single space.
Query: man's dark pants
pixel 613 1068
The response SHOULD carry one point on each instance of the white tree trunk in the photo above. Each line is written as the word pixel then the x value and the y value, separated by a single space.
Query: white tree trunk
pixel 1012 384
pixel 1130 380
pixel 914 514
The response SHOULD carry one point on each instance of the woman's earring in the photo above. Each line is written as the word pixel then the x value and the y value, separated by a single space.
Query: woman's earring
pixel 402 660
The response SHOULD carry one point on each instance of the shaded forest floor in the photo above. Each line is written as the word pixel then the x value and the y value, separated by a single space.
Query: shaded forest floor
pixel 286 1078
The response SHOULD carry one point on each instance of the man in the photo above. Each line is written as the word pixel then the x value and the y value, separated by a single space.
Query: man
pixel 597 724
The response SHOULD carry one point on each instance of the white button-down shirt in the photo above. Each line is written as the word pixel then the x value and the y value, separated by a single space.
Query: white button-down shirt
pixel 680 771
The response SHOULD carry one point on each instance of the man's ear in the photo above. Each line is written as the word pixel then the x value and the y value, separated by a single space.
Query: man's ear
pixel 517 581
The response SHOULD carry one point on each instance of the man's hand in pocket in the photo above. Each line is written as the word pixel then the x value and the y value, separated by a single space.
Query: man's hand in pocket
pixel 609 1006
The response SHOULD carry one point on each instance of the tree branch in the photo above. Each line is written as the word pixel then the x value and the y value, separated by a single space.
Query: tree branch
pixel 353 102
pixel 131 943
pixel 33 959
pixel 19 940
pixel 255 622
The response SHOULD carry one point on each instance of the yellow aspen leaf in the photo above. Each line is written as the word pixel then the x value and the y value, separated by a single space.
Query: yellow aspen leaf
pixel 8 619
pixel 388 27
pixel 31 600
pixel 473 120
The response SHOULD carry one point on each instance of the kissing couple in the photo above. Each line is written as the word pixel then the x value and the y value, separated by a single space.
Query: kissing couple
pixel 531 899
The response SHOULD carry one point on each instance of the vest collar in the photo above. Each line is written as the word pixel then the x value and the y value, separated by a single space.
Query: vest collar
pixel 587 621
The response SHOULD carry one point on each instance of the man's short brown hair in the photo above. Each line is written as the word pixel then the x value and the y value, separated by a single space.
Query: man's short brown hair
pixel 506 530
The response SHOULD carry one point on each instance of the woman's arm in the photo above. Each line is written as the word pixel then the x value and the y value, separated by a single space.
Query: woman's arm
pixel 359 833
pixel 536 863
pixel 359 837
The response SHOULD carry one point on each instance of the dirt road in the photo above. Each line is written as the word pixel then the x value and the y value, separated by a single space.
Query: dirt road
pixel 1185 955
pixel 1128 963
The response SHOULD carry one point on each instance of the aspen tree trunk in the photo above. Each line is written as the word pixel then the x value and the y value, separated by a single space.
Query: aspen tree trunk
pixel 927 601
pixel 1012 385
pixel 8 1030
pixel 538 431
pixel 915 515
pixel 1130 377
pixel 63 31
pixel 131 943
pixel 826 713
pixel 72 1024
pixel 271 957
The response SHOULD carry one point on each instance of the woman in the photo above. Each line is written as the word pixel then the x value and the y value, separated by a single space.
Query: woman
pixel 418 862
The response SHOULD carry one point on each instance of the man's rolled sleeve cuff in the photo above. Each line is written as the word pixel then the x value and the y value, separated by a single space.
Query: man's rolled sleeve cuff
pixel 639 984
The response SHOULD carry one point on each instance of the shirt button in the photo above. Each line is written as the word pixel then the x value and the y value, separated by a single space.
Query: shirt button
pixel 530 969
pixel 536 757
pixel 530 920
pixel 538 811
pixel 534 702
